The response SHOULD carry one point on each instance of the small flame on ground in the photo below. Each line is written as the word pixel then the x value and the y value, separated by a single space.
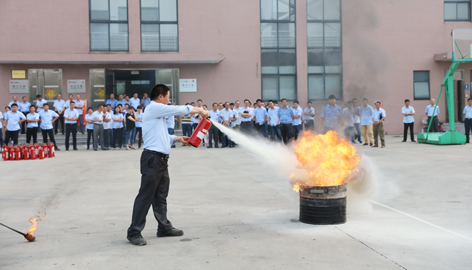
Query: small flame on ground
pixel 327 159
pixel 34 220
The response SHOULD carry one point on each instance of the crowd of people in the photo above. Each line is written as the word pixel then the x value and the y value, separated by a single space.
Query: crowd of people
pixel 117 124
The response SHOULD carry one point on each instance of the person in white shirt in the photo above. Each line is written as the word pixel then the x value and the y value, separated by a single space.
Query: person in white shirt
pixel 14 101
pixel 97 119
pixel 430 110
pixel 135 101
pixel 24 107
pixel 32 119
pixel 197 116
pixel 48 117
pixel 309 114
pixel 378 118
pixel 71 116
pixel 59 107
pixel 247 113
pixel 468 119
pixel 13 119
pixel 107 126
pixel 408 120
pixel 349 122
pixel 273 121
pixel 357 120
pixel 237 115
pixel 80 106
pixel 39 105
pixel 297 125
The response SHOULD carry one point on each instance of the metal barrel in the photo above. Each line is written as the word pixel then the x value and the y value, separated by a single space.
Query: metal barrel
pixel 323 205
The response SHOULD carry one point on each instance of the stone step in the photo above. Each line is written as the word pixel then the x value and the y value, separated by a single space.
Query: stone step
pixel 459 127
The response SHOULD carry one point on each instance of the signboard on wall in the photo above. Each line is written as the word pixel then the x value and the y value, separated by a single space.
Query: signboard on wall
pixel 19 86
pixel 75 86
pixel 18 74
pixel 188 85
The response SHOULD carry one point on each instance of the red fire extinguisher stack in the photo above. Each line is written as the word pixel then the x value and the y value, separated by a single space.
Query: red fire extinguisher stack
pixel 28 152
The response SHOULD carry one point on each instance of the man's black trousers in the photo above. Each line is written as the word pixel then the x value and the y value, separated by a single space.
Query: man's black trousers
pixel 434 124
pixel 49 132
pixel 153 191
pixel 71 128
pixel 286 130
pixel 468 128
pixel 407 126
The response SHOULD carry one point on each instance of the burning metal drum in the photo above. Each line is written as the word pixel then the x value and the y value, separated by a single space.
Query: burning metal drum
pixel 323 205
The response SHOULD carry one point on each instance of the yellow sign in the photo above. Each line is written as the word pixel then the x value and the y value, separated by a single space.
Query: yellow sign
pixel 50 93
pixel 18 74
pixel 101 93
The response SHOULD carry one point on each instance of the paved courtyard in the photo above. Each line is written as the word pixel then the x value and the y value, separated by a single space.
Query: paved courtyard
pixel 237 213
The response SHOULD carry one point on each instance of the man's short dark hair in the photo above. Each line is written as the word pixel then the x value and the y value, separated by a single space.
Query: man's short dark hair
pixel 275 102
pixel 349 102
pixel 309 102
pixel 99 105
pixel 296 101
pixel 71 102
pixel 46 104
pixel 377 102
pixel 283 99
pixel 192 103
pixel 199 100
pixel 469 99
pixel 247 100
pixel 159 89
pixel 231 104
pixel 257 100
pixel 38 96
pixel 365 99
pixel 14 104
pixel 214 103
pixel 354 99
pixel 32 106
pixel 226 102
pixel 407 100
pixel 271 101
pixel 23 97
pixel 331 97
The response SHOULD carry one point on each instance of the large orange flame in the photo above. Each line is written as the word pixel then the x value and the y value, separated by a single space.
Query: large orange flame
pixel 327 159
pixel 34 220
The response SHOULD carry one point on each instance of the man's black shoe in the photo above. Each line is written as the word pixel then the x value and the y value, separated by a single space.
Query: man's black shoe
pixel 403 141
pixel 171 232
pixel 76 149
pixel 209 146
pixel 216 146
pixel 137 240
pixel 371 144
pixel 365 144
pixel 223 146
pixel 413 141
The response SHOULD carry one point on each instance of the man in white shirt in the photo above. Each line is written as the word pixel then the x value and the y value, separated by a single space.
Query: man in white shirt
pixel 32 118
pixel 24 107
pixel 357 120
pixel 468 119
pixel 297 125
pixel 237 115
pixel 107 126
pixel 408 120
pixel 309 114
pixel 134 101
pixel 71 116
pixel 378 118
pixel 14 101
pixel 247 113
pixel 432 111
pixel 59 107
pixel 39 105
pixel 13 119
pixel 273 121
pixel 80 106
pixel 97 119
pixel 48 117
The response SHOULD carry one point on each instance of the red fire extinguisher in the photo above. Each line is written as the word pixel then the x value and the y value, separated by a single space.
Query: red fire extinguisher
pixel 45 149
pixel 199 133
pixel 13 153
pixel 26 153
pixel 51 150
pixel 36 149
pixel 33 154
pixel 18 153
pixel 5 153
pixel 41 153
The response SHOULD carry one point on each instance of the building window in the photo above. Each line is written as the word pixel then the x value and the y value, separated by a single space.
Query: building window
pixel 278 53
pixel 108 25
pixel 324 49
pixel 421 84
pixel 159 28
pixel 456 10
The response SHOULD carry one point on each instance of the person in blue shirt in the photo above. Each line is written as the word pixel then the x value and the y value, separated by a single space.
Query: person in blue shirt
pixel 139 125
pixel 134 101
pixel 24 107
pixel 121 101
pixel 13 119
pixel 408 120
pixel 146 100
pixel 154 165
pixel 117 127
pixel 187 124
pixel 297 125
pixel 260 117
pixel 32 119
pixel 247 113
pixel 273 121
pixel 80 108
pixel 286 116
pixel 379 118
pixel 48 117
pixel 40 104
pixel 468 119
pixel 71 116
pixel 432 111
pixel 112 102
pixel 366 113
pixel 213 131
pixel 59 107
pixel 89 126
pixel 331 115
pixel 226 115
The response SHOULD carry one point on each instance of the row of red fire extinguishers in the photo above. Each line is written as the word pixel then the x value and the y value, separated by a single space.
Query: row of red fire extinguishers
pixel 27 152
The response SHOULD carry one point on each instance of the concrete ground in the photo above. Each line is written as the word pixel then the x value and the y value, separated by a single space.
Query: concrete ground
pixel 237 213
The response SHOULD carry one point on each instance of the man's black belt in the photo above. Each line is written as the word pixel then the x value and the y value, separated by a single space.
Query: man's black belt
pixel 159 154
